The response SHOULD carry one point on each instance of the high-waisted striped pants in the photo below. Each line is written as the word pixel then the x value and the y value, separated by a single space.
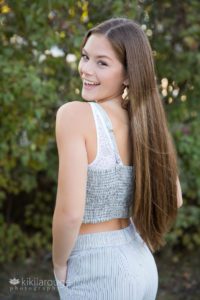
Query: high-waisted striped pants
pixel 111 265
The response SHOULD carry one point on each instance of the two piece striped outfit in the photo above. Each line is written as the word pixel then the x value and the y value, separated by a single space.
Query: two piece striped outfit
pixel 111 265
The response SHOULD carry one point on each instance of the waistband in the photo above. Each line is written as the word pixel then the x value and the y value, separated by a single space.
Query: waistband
pixel 105 238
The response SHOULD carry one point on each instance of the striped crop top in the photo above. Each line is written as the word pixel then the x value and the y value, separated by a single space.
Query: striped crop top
pixel 109 187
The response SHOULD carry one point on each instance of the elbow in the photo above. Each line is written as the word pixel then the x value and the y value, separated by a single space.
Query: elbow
pixel 180 202
pixel 179 198
pixel 74 219
pixel 69 218
pixel 179 194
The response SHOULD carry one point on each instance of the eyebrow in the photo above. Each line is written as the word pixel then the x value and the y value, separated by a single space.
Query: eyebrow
pixel 98 56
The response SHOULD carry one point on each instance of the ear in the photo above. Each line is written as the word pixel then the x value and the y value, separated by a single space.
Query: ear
pixel 126 82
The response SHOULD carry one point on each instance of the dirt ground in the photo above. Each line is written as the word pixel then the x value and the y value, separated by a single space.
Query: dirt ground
pixel 179 275
pixel 178 278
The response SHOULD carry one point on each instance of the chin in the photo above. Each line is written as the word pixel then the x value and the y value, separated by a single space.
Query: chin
pixel 87 98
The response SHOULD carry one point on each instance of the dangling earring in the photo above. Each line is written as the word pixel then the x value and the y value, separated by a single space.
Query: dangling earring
pixel 125 97
pixel 125 93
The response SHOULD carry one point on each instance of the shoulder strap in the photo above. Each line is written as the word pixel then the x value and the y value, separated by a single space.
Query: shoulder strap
pixel 110 130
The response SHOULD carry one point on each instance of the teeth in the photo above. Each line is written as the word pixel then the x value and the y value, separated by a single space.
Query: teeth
pixel 90 82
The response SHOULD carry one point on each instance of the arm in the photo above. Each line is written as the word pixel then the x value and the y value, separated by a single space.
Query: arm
pixel 72 177
pixel 179 194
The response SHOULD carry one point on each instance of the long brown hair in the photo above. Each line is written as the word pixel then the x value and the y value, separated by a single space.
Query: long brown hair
pixel 154 156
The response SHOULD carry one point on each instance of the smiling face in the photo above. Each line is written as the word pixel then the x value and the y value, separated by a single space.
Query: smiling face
pixel 102 73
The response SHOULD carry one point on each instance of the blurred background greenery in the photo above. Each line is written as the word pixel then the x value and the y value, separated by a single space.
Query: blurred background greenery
pixel 39 55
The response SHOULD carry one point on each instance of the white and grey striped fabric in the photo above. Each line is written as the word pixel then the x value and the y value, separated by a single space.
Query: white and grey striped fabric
pixel 111 265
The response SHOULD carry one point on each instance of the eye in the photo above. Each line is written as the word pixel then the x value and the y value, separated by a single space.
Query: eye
pixel 83 55
pixel 102 63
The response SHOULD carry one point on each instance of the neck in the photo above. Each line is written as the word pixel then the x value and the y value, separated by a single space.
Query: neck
pixel 115 102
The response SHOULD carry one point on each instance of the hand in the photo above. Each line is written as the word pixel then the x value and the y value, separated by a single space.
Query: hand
pixel 61 273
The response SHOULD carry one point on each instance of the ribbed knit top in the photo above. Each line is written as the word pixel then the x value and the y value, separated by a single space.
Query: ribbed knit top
pixel 109 182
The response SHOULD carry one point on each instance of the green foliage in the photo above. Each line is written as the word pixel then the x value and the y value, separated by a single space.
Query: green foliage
pixel 35 79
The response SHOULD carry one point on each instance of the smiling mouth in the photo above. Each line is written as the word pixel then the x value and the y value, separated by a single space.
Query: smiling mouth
pixel 90 85
pixel 90 82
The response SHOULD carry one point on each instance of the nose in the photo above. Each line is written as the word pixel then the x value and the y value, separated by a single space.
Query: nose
pixel 86 68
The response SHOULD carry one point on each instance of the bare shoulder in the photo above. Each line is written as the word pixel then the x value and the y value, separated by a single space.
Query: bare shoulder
pixel 74 107
pixel 73 114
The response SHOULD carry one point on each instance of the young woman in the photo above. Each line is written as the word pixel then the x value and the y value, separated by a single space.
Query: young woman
pixel 118 187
